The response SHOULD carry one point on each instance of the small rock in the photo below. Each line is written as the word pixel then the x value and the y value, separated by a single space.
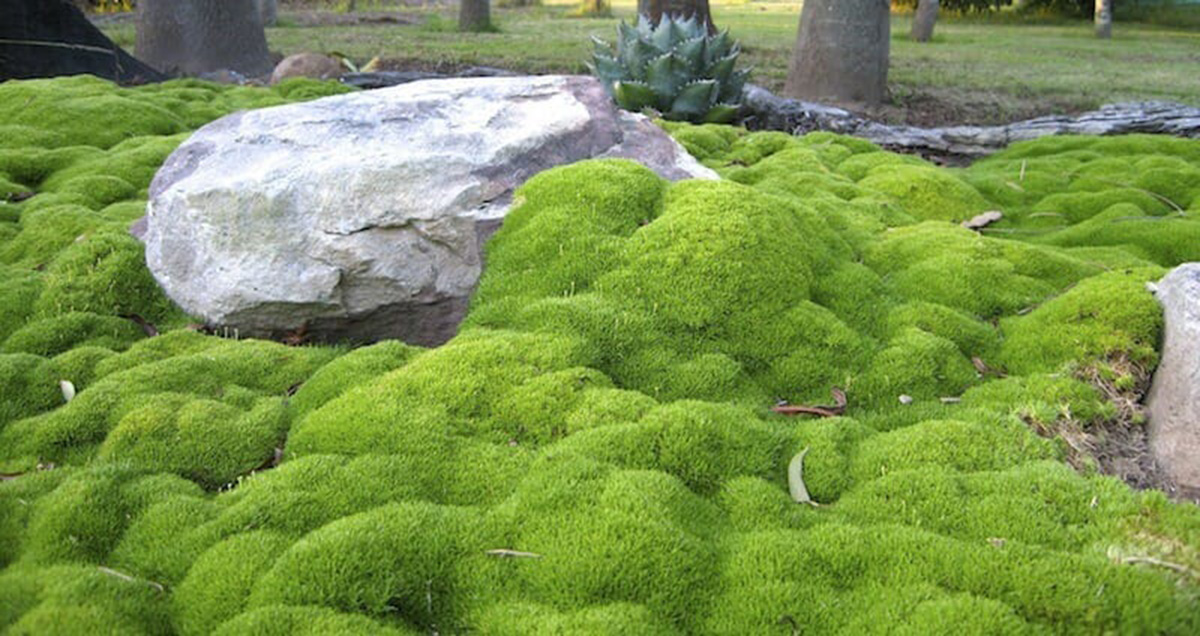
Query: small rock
pixel 312 65
pixel 906 399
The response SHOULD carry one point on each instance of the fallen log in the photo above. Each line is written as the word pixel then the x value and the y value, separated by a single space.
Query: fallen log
pixel 767 111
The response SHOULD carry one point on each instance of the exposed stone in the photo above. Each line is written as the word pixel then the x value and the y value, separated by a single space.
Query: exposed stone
pixel 1174 399
pixel 363 216
pixel 312 65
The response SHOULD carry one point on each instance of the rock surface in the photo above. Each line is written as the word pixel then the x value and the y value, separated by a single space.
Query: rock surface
pixel 1174 399
pixel 363 216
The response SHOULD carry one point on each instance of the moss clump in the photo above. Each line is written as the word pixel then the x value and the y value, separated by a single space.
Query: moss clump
pixel 603 416
pixel 305 621
pixel 396 560
pixel 926 193
pixel 206 441
pixel 1105 317
pixel 68 331
pixel 218 585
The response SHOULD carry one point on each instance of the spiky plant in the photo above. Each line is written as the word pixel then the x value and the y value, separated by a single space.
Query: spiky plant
pixel 676 69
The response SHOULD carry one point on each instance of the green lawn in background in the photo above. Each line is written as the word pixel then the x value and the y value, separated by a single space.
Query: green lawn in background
pixel 974 71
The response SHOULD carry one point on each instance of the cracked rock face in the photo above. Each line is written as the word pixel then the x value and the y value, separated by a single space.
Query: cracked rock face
pixel 363 216
pixel 1174 399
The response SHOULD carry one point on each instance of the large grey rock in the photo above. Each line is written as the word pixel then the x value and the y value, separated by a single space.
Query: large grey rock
pixel 363 216
pixel 1174 399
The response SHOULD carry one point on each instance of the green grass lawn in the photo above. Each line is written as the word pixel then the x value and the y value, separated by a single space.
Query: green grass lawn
pixel 974 71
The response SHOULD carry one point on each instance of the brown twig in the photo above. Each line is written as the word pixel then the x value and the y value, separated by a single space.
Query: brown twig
pixel 985 370
pixel 837 409
pixel 147 327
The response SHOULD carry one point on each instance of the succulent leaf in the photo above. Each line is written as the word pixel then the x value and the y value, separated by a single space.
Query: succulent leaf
pixel 634 96
pixel 691 51
pixel 676 67
pixel 607 69
pixel 694 100
pixel 731 91
pixel 721 114
pixel 722 69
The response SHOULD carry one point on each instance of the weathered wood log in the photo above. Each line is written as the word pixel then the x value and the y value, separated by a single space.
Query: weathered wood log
pixel 49 38
pixel 766 111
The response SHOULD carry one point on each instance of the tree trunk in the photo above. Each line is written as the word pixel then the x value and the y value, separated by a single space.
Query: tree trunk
pixel 654 10
pixel 268 10
pixel 841 53
pixel 923 21
pixel 1104 19
pixel 200 36
pixel 475 15
pixel 49 38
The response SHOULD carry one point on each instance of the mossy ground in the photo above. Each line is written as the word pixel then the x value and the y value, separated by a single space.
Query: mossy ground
pixel 605 410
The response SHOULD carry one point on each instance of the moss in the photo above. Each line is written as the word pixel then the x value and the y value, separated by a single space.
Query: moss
pixel 48 231
pixel 206 441
pixel 82 519
pixel 305 621
pixel 1043 398
pixel 394 560
pixel 949 444
pixel 156 545
pixel 27 386
pixel 519 619
pixel 701 444
pixel 16 496
pixel 1104 317
pixel 605 536
pixel 926 193
pixel 218 586
pixel 19 289
pixel 79 364
pixel 236 373
pixel 104 274
pixel 917 364
pixel 52 336
pixel 822 578
pixel 354 368
pixel 79 600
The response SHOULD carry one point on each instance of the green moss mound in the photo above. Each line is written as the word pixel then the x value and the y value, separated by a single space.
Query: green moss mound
pixel 595 452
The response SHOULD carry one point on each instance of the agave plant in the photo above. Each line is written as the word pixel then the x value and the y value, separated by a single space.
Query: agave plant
pixel 675 68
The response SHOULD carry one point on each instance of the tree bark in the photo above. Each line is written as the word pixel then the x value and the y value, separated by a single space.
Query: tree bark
pixel 841 53
pixel 956 144
pixel 475 15
pixel 268 10
pixel 200 36
pixel 1104 19
pixel 49 38
pixel 924 20
pixel 654 10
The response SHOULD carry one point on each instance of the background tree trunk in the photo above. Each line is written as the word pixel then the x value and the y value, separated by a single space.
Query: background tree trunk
pixel 923 21
pixel 841 53
pixel 1104 19
pixel 199 36
pixel 654 10
pixel 475 15
pixel 48 38
pixel 268 10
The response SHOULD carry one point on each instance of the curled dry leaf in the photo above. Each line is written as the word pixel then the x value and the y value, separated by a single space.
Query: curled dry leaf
pixel 837 409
